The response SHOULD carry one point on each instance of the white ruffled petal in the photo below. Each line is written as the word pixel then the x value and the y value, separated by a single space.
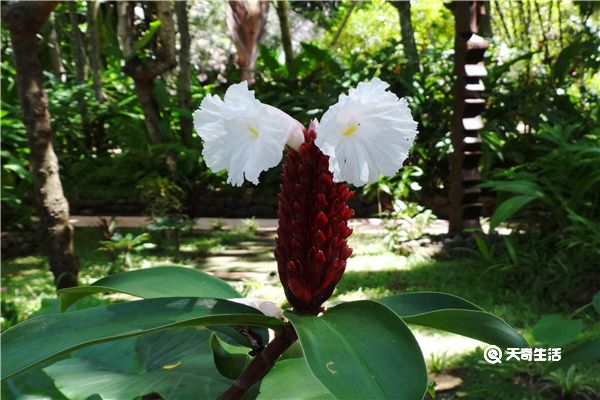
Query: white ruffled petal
pixel 294 128
pixel 242 135
pixel 366 134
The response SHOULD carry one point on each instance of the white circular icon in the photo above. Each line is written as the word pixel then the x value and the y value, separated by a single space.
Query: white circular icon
pixel 493 355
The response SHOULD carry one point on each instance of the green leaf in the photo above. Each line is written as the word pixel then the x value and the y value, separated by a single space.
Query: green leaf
pixel 18 169
pixel 362 350
pixel 584 352
pixel 161 95
pixel 148 35
pixel 176 364
pixel 294 351
pixel 556 330
pixel 41 338
pixel 230 360
pixel 154 282
pixel 518 186
pixel 291 379
pixel 508 208
pixel 33 384
pixel 498 70
pixel 452 314
pixel 596 302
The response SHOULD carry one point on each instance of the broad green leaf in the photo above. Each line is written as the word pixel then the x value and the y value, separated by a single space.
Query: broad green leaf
pixel 229 359
pixel 362 350
pixel 32 384
pixel 556 330
pixel 154 282
pixel 453 314
pixel 176 364
pixel 292 380
pixel 586 351
pixel 50 335
pixel 596 302
pixel 508 208
pixel 294 351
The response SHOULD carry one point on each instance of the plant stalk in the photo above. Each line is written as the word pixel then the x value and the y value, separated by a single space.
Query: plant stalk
pixel 261 364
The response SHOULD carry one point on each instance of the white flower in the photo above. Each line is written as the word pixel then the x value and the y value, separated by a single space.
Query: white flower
pixel 366 134
pixel 242 135
pixel 266 307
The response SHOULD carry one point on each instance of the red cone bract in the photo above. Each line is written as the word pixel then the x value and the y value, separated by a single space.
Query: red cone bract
pixel 311 248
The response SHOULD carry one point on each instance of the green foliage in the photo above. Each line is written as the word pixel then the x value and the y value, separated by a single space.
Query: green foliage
pixel 553 196
pixel 151 283
pixel 350 366
pixel 406 222
pixel 230 360
pixel 53 335
pixel 250 226
pixel 217 224
pixel 161 196
pixel 327 356
pixel 124 245
pixel 300 382
pixel 15 175
pixel 570 383
pixel 453 314
pixel 171 225
pixel 563 175
pixel 555 330
pixel 147 36
pixel 142 365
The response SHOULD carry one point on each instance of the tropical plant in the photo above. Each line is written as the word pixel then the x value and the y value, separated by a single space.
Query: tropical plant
pixel 358 349
pixel 124 245
pixel 407 221
pixel 161 195
pixel 174 225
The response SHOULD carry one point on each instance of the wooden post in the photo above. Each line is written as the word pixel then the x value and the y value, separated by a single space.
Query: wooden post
pixel 469 48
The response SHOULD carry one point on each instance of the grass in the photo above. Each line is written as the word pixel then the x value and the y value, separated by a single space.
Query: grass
pixel 26 281
pixel 244 257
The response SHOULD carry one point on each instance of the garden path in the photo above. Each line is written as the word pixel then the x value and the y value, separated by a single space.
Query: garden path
pixel 363 225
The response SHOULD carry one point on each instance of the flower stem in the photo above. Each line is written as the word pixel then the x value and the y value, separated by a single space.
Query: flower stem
pixel 261 364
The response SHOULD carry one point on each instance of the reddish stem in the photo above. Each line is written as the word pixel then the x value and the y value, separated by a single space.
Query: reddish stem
pixel 261 364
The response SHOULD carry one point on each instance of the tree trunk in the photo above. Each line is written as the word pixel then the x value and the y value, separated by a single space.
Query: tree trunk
pixel 23 20
pixel 286 35
pixel 246 21
pixel 54 50
pixel 93 49
pixel 143 89
pixel 145 71
pixel 79 58
pixel 185 73
pixel 407 35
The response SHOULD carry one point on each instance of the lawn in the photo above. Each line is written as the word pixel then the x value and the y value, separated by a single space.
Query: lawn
pixel 244 258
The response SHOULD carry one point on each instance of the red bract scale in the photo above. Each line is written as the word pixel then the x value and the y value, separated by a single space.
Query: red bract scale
pixel 311 248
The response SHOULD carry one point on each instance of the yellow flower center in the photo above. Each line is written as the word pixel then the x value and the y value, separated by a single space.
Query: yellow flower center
pixel 253 131
pixel 349 131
